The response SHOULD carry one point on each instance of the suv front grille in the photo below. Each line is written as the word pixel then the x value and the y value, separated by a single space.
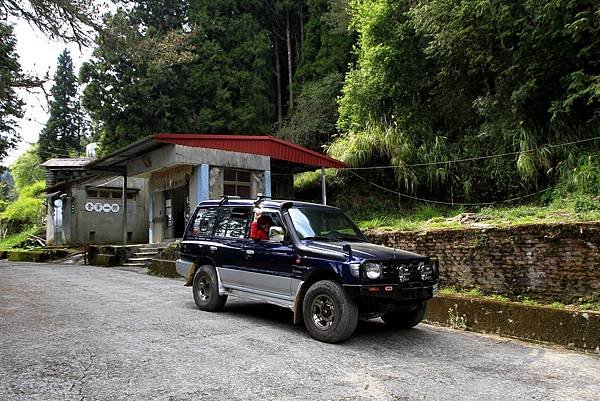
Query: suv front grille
pixel 404 272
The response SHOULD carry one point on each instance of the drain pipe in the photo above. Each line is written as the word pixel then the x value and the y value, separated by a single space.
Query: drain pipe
pixel 124 202
pixel 323 188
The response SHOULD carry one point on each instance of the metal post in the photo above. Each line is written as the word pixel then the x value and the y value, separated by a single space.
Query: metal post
pixel 323 189
pixel 124 209
pixel 267 180
pixel 151 217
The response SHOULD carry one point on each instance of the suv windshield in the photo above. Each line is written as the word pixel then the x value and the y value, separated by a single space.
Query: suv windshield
pixel 324 224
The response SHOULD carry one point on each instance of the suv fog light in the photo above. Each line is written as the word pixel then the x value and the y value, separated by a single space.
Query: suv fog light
pixel 426 272
pixel 373 270
pixel 404 274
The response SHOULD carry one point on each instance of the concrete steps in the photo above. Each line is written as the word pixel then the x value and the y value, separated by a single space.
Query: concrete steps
pixel 142 256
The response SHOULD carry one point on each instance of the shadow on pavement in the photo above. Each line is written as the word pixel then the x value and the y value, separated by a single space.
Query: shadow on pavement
pixel 373 330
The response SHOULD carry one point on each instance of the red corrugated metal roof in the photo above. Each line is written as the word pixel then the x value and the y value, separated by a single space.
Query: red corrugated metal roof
pixel 258 145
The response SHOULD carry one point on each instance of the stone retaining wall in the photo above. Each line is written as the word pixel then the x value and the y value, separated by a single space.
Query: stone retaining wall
pixel 546 262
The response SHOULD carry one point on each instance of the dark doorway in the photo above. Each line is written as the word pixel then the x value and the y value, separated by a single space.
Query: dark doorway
pixel 176 211
pixel 178 205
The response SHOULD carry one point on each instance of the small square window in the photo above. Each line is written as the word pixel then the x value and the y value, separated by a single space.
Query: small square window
pixel 229 189
pixel 243 191
pixel 129 236
pixel 229 175
pixel 92 235
pixel 243 176
pixel 104 194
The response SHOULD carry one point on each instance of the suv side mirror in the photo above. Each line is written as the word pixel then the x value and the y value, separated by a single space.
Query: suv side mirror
pixel 276 234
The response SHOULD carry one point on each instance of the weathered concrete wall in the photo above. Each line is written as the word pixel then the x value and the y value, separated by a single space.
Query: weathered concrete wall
pixel 215 182
pixel 547 262
pixel 163 264
pixel 107 226
pixel 569 328
pixel 171 155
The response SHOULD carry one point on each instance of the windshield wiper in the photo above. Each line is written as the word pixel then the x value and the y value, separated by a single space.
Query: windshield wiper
pixel 317 238
pixel 349 238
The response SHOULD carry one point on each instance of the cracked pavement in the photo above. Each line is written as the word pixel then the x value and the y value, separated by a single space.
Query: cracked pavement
pixel 71 332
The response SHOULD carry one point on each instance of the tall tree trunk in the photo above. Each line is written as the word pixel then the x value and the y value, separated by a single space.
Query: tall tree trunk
pixel 289 54
pixel 301 25
pixel 278 76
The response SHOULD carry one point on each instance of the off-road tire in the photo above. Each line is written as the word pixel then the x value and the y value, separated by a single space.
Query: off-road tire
pixel 330 315
pixel 405 319
pixel 206 289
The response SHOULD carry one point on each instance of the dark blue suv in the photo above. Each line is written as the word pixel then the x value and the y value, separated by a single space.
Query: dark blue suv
pixel 316 262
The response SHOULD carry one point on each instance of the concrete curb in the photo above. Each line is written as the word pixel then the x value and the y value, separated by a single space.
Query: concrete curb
pixel 578 330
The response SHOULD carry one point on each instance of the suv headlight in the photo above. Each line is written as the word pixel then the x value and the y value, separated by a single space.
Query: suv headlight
pixel 373 270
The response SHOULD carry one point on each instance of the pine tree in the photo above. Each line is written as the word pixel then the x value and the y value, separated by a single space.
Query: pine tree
pixel 10 78
pixel 62 134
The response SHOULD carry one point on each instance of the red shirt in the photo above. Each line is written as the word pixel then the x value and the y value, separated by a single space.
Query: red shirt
pixel 257 233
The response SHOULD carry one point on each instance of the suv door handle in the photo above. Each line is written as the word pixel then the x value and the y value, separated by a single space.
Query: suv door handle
pixel 213 248
pixel 249 252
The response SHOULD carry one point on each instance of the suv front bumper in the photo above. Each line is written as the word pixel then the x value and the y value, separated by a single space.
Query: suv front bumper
pixel 393 292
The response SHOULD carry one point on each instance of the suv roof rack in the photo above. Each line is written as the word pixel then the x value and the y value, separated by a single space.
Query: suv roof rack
pixel 225 198
pixel 261 198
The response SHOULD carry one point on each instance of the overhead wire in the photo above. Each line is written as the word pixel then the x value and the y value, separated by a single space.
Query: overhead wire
pixel 475 158
pixel 416 198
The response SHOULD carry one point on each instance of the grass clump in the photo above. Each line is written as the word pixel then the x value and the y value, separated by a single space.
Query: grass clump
pixel 15 240
pixel 591 305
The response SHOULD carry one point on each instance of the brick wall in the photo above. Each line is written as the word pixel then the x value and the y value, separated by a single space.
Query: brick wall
pixel 546 262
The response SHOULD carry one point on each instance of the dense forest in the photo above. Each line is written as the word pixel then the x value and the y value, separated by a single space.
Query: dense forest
pixel 460 101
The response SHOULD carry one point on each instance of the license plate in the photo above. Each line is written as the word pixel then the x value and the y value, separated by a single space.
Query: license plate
pixel 435 290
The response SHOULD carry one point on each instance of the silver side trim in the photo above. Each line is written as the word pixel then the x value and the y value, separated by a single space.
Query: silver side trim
pixel 261 296
pixel 183 267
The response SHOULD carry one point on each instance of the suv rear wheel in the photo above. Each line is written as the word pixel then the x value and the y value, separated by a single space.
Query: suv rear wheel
pixel 206 289
pixel 330 315
pixel 405 319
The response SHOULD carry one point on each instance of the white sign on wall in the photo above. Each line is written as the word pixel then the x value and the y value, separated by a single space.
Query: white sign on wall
pixel 102 207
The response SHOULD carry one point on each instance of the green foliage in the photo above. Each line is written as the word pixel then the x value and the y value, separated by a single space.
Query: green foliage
pixel 25 212
pixel 312 122
pixel 64 129
pixel 10 79
pixel 136 78
pixel 327 46
pixel 151 73
pixel 437 81
pixel 26 170
pixel 70 20
pixel 13 240
pixel 232 77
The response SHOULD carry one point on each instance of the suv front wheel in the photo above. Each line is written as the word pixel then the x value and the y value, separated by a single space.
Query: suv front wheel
pixel 330 315
pixel 206 289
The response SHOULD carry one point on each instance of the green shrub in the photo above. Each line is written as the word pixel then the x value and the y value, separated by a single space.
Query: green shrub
pixel 25 212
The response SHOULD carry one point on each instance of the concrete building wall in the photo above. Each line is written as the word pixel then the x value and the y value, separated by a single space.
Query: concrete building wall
pixel 172 155
pixel 82 215
pixel 215 179
pixel 257 183
pixel 159 217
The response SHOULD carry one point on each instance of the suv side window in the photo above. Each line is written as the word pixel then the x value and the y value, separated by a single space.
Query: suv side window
pixel 233 222
pixel 203 223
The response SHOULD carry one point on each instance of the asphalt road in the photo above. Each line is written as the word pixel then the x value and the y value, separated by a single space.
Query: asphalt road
pixel 79 332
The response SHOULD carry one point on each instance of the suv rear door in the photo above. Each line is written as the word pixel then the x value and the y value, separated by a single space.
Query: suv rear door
pixel 229 240
pixel 198 236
